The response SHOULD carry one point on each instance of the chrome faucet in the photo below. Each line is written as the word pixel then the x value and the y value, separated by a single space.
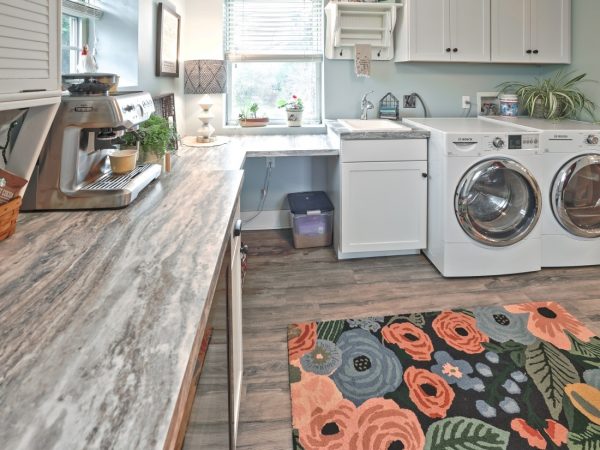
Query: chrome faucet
pixel 365 106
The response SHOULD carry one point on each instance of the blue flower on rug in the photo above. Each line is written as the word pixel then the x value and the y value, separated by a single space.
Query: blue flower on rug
pixel 503 326
pixel 371 324
pixel 324 359
pixel 456 371
pixel 368 368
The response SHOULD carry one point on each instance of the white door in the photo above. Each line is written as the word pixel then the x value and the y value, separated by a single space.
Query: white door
pixel 551 31
pixel 429 30
pixel 511 31
pixel 470 30
pixel 29 46
pixel 384 206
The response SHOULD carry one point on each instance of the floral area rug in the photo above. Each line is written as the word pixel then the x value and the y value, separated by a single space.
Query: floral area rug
pixel 496 377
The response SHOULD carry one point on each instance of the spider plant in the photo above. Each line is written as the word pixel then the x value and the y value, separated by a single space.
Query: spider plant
pixel 556 98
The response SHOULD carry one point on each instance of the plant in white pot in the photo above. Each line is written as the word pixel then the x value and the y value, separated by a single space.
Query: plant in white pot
pixel 556 98
pixel 294 109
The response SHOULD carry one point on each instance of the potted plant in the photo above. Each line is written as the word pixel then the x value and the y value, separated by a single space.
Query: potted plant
pixel 294 109
pixel 248 117
pixel 556 98
pixel 154 138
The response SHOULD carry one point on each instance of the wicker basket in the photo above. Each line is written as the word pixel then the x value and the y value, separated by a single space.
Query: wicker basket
pixel 8 217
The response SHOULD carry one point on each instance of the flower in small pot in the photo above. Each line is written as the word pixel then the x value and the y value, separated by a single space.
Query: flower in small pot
pixel 154 138
pixel 248 117
pixel 294 109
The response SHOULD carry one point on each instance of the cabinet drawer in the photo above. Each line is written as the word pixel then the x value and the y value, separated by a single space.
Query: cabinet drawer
pixel 384 150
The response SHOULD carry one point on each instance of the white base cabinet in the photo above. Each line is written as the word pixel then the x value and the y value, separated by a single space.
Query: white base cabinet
pixel 380 193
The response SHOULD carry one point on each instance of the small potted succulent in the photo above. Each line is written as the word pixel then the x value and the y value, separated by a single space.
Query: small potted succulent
pixel 248 117
pixel 294 108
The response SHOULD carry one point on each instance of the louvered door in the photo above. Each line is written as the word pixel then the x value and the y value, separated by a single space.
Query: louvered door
pixel 29 46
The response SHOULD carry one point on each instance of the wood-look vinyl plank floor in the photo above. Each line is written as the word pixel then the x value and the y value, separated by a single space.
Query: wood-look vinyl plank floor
pixel 285 285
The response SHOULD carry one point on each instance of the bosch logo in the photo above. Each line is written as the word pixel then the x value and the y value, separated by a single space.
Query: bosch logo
pixel 561 136
pixel 465 139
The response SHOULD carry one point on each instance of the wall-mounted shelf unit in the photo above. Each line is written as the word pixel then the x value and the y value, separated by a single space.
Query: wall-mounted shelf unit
pixel 352 23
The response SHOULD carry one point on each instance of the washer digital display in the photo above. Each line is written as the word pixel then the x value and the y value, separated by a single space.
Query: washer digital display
pixel 515 142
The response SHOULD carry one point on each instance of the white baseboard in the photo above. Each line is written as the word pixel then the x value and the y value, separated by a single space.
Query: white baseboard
pixel 266 220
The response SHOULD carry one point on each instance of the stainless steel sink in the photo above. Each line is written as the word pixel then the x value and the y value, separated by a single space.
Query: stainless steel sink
pixel 357 125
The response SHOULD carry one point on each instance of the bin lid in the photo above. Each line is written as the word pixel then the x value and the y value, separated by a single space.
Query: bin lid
pixel 302 202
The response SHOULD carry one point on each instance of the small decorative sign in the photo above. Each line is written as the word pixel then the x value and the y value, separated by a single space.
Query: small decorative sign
pixel 167 42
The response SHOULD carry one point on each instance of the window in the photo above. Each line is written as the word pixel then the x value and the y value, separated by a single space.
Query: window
pixel 274 50
pixel 72 42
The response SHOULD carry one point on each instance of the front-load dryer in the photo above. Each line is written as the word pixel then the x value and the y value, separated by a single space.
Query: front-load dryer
pixel 484 197
pixel 570 189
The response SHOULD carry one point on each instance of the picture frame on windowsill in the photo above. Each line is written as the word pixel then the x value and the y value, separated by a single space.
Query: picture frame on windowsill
pixel 168 30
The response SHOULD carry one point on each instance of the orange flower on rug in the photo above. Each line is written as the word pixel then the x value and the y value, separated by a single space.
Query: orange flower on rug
pixel 515 377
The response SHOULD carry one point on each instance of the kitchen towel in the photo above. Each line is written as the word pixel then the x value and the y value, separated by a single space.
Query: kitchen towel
pixel 362 60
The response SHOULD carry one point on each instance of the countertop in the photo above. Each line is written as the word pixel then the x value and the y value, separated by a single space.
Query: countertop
pixel 99 311
pixel 345 134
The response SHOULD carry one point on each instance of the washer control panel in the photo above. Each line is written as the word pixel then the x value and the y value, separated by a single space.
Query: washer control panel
pixel 523 141
pixel 480 144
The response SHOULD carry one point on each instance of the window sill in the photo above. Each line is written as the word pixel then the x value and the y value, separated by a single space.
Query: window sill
pixel 232 130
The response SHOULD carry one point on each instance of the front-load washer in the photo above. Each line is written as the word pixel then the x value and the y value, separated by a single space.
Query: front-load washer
pixel 570 190
pixel 484 199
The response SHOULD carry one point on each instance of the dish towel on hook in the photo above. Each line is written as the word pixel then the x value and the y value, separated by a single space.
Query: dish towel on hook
pixel 362 60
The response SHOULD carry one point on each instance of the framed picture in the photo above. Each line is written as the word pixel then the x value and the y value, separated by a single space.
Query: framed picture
pixel 167 42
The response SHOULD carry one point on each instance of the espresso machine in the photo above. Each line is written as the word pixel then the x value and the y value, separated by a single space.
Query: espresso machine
pixel 73 171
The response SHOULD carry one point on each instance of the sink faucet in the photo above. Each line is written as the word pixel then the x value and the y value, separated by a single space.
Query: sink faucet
pixel 365 106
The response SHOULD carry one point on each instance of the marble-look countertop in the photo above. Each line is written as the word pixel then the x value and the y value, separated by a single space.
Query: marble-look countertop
pixel 99 310
pixel 345 134
pixel 285 145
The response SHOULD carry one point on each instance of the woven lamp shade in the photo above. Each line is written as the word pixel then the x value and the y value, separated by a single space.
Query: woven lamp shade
pixel 205 76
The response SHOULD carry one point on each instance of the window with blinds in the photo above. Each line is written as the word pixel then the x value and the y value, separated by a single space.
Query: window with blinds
pixel 273 29
pixel 274 50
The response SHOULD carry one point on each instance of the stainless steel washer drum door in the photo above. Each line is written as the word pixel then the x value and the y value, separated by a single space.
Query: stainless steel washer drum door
pixel 575 196
pixel 498 202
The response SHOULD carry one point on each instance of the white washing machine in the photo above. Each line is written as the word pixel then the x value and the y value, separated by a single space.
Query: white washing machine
pixel 570 190
pixel 484 198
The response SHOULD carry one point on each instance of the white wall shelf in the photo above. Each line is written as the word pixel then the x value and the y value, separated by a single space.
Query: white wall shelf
pixel 350 23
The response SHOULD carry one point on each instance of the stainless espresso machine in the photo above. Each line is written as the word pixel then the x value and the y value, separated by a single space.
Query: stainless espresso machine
pixel 73 171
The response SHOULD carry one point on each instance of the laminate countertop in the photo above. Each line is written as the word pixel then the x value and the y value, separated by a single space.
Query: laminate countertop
pixel 99 310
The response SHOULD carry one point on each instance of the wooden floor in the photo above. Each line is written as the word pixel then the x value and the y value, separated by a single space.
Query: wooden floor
pixel 284 285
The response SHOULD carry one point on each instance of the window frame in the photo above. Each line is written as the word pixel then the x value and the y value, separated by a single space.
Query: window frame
pixel 231 116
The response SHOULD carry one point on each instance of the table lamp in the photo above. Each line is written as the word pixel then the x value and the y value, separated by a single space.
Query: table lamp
pixel 205 76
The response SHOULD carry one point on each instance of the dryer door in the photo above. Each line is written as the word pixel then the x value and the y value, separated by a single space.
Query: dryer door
pixel 498 202
pixel 575 196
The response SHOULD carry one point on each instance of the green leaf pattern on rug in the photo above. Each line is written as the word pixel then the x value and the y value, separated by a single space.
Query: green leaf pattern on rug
pixel 587 440
pixel 295 374
pixel 330 331
pixel 462 433
pixel 417 320
pixel 586 349
pixel 551 371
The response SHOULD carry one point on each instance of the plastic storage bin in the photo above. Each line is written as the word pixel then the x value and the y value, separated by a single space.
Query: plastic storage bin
pixel 312 219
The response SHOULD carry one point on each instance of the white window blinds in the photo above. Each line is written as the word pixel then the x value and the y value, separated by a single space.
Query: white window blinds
pixel 273 29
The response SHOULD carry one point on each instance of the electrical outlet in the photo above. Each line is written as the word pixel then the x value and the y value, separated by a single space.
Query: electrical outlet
pixel 466 102
pixel 410 101
pixel 270 162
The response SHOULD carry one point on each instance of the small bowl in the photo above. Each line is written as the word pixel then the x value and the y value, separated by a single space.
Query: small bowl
pixel 123 161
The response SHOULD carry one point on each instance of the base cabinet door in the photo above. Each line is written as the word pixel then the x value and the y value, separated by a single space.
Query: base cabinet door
pixel 383 206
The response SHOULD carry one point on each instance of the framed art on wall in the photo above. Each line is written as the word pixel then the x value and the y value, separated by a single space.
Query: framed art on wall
pixel 167 42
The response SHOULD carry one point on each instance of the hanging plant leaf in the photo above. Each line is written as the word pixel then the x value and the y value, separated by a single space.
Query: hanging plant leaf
pixel 551 371
pixel 586 440
pixel 462 433
pixel 330 331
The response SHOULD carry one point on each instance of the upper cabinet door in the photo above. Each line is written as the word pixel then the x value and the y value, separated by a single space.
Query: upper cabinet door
pixel 29 46
pixel 470 30
pixel 429 32
pixel 551 31
pixel 511 31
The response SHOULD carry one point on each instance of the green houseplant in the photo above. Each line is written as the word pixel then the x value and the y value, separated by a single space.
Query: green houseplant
pixel 155 139
pixel 556 98
pixel 248 117
pixel 294 109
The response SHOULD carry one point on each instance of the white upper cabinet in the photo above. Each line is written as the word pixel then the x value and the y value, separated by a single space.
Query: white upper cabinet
pixel 29 48
pixel 536 31
pixel 444 30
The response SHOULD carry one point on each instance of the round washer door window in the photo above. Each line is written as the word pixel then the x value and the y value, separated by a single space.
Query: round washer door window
pixel 575 196
pixel 498 202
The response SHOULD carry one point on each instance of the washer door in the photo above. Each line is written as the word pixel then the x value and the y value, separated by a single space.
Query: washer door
pixel 498 202
pixel 575 196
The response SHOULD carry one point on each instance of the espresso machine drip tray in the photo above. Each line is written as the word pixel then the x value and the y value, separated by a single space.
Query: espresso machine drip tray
pixel 112 181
